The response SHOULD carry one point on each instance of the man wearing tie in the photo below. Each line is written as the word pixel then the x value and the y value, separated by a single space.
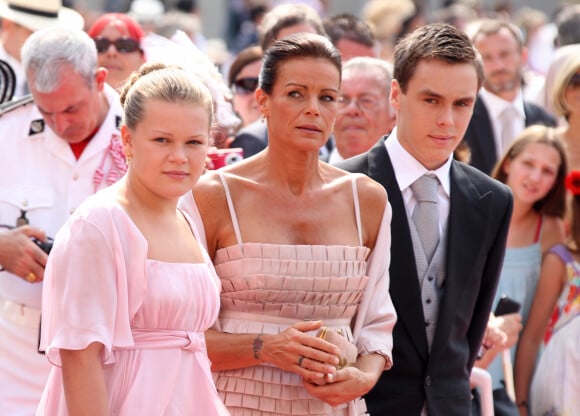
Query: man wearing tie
pixel 500 111
pixel 449 227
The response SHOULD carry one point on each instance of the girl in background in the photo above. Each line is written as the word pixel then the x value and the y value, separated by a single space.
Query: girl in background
pixel 534 167
pixel 555 384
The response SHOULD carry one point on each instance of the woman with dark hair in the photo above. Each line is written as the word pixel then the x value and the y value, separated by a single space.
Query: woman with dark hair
pixel 243 80
pixel 298 244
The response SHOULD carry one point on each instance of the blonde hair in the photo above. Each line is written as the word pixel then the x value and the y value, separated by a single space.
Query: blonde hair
pixel 157 81
pixel 561 82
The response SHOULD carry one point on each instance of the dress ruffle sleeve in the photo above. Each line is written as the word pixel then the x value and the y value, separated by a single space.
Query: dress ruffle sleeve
pixel 94 283
pixel 376 317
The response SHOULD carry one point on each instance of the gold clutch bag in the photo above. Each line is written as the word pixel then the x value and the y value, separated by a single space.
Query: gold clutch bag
pixel 348 351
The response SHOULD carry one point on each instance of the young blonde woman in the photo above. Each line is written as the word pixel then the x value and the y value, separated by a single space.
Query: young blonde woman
pixel 129 291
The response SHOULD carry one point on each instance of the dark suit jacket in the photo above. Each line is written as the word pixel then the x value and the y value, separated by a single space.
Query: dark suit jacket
pixel 480 138
pixel 252 138
pixel 479 216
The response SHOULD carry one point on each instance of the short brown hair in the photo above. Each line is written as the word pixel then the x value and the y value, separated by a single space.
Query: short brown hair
pixel 286 15
pixel 436 41
pixel 487 27
pixel 244 58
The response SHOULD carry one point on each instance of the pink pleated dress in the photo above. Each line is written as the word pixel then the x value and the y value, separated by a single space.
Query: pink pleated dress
pixel 269 287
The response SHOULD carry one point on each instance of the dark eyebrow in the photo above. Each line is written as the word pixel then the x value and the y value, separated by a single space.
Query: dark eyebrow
pixel 295 84
pixel 430 93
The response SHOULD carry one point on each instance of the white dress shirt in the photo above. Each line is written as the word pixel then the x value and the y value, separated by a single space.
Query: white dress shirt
pixel 408 170
pixel 495 106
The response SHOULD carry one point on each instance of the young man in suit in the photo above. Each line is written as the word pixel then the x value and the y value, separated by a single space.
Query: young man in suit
pixel 443 296
pixel 500 111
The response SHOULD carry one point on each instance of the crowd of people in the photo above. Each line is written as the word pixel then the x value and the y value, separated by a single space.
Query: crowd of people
pixel 385 181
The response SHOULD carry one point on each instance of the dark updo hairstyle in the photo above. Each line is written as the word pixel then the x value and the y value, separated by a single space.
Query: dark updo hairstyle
pixel 157 81
pixel 296 46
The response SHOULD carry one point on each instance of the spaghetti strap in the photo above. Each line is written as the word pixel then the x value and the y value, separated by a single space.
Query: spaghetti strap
pixel 539 229
pixel 196 235
pixel 231 208
pixel 357 208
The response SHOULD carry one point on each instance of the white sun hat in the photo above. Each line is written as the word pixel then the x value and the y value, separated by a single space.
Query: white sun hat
pixel 40 14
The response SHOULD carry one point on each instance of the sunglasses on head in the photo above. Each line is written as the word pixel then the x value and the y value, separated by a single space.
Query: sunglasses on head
pixel 245 86
pixel 574 81
pixel 123 45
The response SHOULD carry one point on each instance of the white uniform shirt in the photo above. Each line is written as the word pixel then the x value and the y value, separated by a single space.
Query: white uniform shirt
pixel 18 72
pixel 40 175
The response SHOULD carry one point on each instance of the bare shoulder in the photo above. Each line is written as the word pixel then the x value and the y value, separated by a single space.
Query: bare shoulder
pixel 208 186
pixel 553 232
pixel 370 191
pixel 373 201
pixel 210 191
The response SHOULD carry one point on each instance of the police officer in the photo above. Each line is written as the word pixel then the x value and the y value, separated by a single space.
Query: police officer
pixel 56 151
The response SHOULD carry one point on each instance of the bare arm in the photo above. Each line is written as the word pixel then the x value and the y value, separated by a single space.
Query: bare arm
pixel 84 383
pixel 552 278
pixel 350 382
pixel 231 351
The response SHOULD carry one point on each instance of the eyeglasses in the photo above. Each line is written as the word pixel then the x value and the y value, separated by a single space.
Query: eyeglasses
pixel 245 86
pixel 574 81
pixel 363 103
pixel 123 45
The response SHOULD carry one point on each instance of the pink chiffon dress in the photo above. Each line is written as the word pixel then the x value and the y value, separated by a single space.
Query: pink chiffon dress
pixel 149 315
pixel 269 287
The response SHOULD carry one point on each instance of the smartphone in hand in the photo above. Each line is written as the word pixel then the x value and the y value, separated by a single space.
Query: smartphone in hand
pixel 506 305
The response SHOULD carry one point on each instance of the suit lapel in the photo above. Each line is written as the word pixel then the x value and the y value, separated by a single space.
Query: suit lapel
pixel 469 212
pixel 531 117
pixel 404 285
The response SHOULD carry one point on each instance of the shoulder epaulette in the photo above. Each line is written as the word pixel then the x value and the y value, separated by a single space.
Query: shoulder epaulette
pixel 14 104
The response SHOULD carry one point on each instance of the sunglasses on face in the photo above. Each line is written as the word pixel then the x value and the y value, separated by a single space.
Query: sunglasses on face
pixel 123 45
pixel 245 86
pixel 574 81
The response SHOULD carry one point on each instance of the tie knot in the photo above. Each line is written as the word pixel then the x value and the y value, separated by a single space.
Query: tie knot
pixel 425 188
pixel 508 114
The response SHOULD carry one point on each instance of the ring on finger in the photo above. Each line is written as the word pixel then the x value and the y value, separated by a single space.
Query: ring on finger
pixel 300 359
pixel 30 277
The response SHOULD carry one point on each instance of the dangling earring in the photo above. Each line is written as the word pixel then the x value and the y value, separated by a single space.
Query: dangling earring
pixel 263 118
pixel 129 158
